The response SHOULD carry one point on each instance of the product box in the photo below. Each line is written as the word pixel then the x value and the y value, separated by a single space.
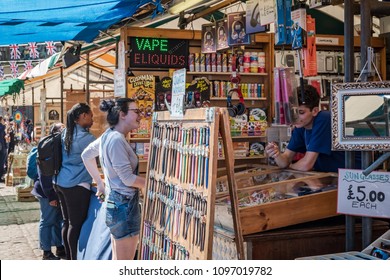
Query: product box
pixel 19 171
pixel 146 150
pixel 279 199
pixel 256 149
pixel 239 124
pixel 19 161
pixel 139 150
pixel 240 149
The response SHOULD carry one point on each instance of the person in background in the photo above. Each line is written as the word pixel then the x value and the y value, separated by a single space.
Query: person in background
pixel 10 135
pixel 3 150
pixel 121 187
pixel 73 183
pixel 312 136
pixel 50 222
pixel 29 130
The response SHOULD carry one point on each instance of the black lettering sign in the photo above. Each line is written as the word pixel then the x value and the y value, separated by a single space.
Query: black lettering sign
pixel 148 52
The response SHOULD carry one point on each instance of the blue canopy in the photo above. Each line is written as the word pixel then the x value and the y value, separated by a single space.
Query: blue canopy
pixel 24 21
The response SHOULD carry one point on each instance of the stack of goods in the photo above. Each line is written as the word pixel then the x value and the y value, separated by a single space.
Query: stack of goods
pixel 23 193
pixel 18 168
pixel 248 62
pixel 257 122
pixel 220 88
pixel 142 150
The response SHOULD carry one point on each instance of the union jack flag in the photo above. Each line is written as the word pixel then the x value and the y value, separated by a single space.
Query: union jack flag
pixel 34 53
pixel 14 68
pixel 51 48
pixel 1 72
pixel 15 53
pixel 28 65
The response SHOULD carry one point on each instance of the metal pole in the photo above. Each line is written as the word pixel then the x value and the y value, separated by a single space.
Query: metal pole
pixel 348 77
pixel 33 106
pixel 87 81
pixel 62 93
pixel 365 27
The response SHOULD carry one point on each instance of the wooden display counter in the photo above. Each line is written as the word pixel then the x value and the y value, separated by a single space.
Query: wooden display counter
pixel 320 237
pixel 325 236
pixel 271 199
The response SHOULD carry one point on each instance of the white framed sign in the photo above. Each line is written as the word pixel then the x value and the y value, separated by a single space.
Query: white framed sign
pixel 178 92
pixel 119 83
pixel 362 195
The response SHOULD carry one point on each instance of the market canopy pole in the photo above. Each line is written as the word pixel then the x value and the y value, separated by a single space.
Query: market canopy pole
pixel 43 109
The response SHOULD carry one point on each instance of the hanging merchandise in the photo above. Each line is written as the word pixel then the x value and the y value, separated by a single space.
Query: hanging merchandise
pixel 283 22
pixel 286 100
pixel 289 95
pixel 298 17
pixel 267 11
pixel 310 52
pixel 237 29
pixel 18 116
pixel 253 17
pixel 208 38
pixel 222 34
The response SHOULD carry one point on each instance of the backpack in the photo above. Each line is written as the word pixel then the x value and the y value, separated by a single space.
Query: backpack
pixel 49 156
pixel 32 170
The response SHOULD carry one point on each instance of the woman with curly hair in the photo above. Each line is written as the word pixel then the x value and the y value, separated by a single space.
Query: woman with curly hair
pixel 121 184
pixel 73 183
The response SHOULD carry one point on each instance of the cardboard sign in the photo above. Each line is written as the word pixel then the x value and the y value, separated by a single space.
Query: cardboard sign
pixel 362 195
pixel 141 88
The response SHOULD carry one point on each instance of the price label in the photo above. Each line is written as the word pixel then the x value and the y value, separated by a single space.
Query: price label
pixel 178 92
pixel 364 195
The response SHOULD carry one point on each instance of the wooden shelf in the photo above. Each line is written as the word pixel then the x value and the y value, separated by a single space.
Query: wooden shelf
pixel 227 73
pixel 246 137
pixel 246 158
pixel 140 139
pixel 245 98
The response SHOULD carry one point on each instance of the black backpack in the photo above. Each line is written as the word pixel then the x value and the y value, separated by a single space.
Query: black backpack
pixel 49 157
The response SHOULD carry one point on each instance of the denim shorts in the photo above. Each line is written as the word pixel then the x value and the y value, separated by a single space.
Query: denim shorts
pixel 123 216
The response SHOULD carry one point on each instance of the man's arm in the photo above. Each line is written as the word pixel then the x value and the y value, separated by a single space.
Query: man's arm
pixel 306 163
pixel 284 159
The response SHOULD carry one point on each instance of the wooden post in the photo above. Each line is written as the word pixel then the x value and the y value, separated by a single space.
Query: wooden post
pixel 229 158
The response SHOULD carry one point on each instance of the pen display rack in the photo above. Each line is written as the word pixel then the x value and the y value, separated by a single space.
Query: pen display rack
pixel 178 216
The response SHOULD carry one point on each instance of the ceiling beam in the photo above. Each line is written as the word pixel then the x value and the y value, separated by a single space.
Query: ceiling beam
pixel 210 10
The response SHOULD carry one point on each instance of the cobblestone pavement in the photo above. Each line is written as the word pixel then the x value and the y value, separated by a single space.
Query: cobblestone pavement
pixel 18 227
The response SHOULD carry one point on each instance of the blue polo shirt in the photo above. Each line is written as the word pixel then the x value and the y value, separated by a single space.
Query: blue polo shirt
pixel 319 140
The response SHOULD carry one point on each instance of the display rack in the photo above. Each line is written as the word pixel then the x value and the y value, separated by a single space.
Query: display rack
pixel 262 42
pixel 179 205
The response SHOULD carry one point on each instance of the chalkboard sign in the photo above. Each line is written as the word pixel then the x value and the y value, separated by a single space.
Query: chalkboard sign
pixel 147 52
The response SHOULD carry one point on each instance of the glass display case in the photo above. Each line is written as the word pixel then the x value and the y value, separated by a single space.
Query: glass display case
pixel 279 198
pixel 261 175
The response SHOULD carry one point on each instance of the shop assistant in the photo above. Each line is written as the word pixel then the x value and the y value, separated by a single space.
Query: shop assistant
pixel 311 136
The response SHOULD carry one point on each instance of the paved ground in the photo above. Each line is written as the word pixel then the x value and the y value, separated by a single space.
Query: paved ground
pixel 18 227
